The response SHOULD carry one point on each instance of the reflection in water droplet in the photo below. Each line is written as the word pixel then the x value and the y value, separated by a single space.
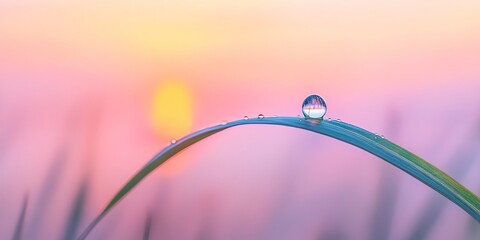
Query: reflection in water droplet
pixel 224 122
pixel 260 116
pixel 245 118
pixel 382 136
pixel 173 141
pixel 314 107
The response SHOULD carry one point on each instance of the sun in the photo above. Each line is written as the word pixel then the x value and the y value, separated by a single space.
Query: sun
pixel 172 109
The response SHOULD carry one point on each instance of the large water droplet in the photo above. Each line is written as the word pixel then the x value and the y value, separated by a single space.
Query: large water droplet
pixel 260 116
pixel 314 107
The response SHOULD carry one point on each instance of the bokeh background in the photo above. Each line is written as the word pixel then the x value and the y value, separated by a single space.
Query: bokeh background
pixel 91 90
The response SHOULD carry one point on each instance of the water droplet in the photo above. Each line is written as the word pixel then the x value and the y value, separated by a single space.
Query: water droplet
pixel 382 136
pixel 173 141
pixel 329 119
pixel 245 117
pixel 224 122
pixel 260 116
pixel 314 107
pixel 338 120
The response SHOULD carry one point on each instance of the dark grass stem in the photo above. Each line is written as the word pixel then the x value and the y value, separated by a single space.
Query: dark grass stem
pixel 17 235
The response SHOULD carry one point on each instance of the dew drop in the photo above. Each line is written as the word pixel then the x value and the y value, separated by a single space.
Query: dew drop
pixel 173 141
pixel 314 107
pixel 245 117
pixel 260 116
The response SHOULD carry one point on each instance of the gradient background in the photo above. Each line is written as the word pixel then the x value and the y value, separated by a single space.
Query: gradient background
pixel 91 90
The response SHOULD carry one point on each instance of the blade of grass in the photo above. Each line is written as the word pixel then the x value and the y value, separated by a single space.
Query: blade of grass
pixel 459 165
pixel 52 180
pixel 433 210
pixel 76 212
pixel 17 235
pixel 386 200
pixel 148 226
pixel 370 142
pixel 49 188
pixel 473 229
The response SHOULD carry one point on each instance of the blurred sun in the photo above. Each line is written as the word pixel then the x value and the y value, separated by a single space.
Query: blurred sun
pixel 172 109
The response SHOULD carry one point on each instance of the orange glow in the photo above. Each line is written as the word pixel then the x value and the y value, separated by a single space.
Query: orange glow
pixel 172 110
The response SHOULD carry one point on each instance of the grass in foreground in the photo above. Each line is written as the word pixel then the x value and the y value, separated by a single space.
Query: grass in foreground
pixel 370 142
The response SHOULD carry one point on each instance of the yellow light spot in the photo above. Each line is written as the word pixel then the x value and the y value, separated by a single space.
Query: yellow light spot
pixel 172 112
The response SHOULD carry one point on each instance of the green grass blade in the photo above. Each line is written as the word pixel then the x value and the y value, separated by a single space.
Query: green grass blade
pixel 39 209
pixel 473 229
pixel 370 142
pixel 385 203
pixel 459 165
pixel 148 227
pixel 17 235
pixel 76 212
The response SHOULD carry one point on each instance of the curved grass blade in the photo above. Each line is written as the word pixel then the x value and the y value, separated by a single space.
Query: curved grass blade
pixel 17 235
pixel 77 211
pixel 473 229
pixel 148 226
pixel 385 202
pixel 459 165
pixel 386 199
pixel 49 188
pixel 370 142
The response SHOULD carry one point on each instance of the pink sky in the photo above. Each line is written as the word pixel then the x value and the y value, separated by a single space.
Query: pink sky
pixel 98 63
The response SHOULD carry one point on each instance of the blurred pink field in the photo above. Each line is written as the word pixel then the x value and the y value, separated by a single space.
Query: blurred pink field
pixel 93 90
